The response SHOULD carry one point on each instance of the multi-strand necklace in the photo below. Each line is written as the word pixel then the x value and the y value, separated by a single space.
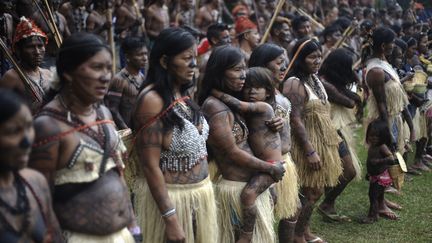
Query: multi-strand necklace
pixel 22 207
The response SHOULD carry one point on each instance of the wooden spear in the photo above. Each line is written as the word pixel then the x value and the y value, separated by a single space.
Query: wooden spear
pixel 275 14
pixel 314 21
pixel 48 23
pixel 51 17
pixel 24 78
pixel 111 39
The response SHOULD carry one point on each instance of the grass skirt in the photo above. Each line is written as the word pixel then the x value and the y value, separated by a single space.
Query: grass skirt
pixel 214 172
pixel 193 202
pixel 325 140
pixel 342 118
pixel 420 127
pixel 347 134
pixel 230 213
pixel 287 191
pixel 122 236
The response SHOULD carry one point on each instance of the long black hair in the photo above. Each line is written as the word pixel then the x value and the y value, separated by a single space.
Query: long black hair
pixel 169 43
pixel 337 68
pixel 74 51
pixel 263 54
pixel 307 45
pixel 10 104
pixel 261 77
pixel 221 59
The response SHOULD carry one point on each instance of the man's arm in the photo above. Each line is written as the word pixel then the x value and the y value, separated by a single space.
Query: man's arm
pixel 113 100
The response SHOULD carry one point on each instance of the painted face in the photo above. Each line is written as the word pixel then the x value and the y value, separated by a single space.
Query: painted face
pixel 333 38
pixel 91 79
pixel 184 65
pixel 285 33
pixel 235 77
pixel 32 51
pixel 138 58
pixel 278 67
pixel 304 29
pixel 252 94
pixel 16 138
pixel 313 62
pixel 253 38
pixel 224 38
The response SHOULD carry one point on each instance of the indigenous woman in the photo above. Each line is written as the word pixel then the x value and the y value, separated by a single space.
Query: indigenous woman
pixel 26 214
pixel 336 74
pixel 78 149
pixel 315 143
pixel 274 58
pixel 388 98
pixel 174 195
pixel 228 140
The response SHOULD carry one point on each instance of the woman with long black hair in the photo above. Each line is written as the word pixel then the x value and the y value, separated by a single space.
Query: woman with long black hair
pixel 315 140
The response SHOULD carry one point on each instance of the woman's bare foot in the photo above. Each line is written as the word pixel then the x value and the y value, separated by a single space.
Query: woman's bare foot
pixel 392 205
pixel 388 215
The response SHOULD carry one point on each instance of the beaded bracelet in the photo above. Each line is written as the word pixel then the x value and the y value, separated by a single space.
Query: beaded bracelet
pixel 310 153
pixel 169 212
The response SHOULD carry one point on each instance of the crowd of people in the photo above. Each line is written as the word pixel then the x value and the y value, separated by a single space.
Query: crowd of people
pixel 207 121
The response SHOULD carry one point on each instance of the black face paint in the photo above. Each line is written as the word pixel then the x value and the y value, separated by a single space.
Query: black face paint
pixel 283 67
pixel 25 143
pixel 193 63
pixel 242 76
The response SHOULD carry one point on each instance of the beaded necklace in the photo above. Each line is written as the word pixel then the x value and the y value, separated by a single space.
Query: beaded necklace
pixel 313 82
pixel 22 207
pixel 133 78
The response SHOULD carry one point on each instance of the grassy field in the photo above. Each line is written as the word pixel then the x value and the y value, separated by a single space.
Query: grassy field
pixel 415 224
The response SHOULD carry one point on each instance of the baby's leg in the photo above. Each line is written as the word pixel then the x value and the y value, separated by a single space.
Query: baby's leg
pixel 256 185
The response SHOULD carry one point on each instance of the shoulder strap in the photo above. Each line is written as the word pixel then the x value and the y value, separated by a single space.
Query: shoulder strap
pixel 155 118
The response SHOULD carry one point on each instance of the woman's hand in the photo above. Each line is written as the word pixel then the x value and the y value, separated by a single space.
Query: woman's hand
pixel 173 230
pixel 277 171
pixel 314 161
pixel 275 124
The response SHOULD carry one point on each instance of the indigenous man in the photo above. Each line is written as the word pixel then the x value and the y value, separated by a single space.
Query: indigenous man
pixel 208 14
pixel 97 22
pixel 186 13
pixel 331 35
pixel 129 21
pixel 157 18
pixel 126 84
pixel 75 14
pixel 29 45
pixel 281 34
pixel 60 20
pixel 302 28
pixel 248 36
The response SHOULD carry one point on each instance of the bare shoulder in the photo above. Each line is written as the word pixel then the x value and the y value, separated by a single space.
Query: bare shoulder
pixel 149 102
pixel 213 106
pixel 375 75
pixel 46 126
pixel 10 79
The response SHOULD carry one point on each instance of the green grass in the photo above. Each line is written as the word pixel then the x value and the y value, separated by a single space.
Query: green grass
pixel 415 224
